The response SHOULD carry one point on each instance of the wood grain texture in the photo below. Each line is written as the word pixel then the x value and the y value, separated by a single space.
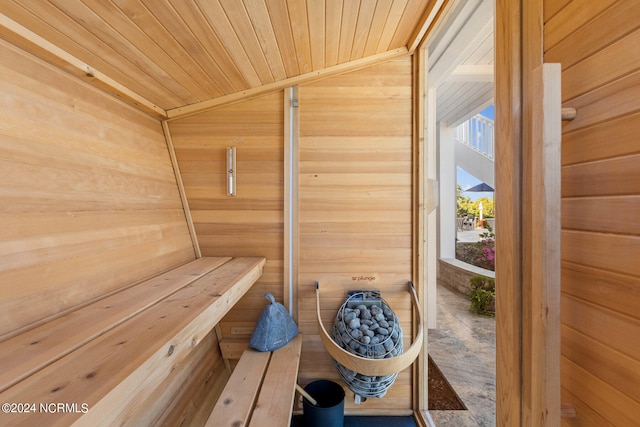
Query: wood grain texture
pixel 275 403
pixel 261 389
pixel 543 327
pixel 252 222
pixel 567 19
pixel 30 351
pixel 87 188
pixel 116 371
pixel 594 69
pixel 237 401
pixel 188 394
pixel 355 206
pixel 509 112
pixel 182 53
pixel 600 197
pixel 583 42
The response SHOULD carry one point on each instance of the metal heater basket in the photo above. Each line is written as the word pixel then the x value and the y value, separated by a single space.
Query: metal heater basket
pixel 366 326
pixel 367 370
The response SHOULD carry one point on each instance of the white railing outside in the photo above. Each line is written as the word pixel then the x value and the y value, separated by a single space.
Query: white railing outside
pixel 477 133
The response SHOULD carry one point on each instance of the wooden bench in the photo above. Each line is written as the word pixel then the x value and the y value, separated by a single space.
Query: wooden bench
pixel 261 390
pixel 107 357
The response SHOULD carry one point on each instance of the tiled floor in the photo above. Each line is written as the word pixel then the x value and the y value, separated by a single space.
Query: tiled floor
pixel 463 347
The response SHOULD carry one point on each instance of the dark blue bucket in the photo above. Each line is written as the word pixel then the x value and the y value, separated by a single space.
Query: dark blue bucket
pixel 330 409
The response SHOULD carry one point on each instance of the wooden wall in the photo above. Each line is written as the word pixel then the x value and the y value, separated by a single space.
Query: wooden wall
pixel 251 223
pixel 89 200
pixel 354 197
pixel 598 45
pixel 355 206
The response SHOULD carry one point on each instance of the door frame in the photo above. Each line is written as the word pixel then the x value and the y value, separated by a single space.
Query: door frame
pixel 519 51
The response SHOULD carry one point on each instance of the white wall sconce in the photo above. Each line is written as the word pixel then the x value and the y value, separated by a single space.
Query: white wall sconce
pixel 231 171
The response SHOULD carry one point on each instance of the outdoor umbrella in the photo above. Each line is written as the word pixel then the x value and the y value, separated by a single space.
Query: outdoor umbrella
pixel 482 187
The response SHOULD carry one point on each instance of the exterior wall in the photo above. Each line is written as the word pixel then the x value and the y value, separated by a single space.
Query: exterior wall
pixel 598 45
pixel 89 201
pixel 447 203
pixel 457 275
pixel 355 207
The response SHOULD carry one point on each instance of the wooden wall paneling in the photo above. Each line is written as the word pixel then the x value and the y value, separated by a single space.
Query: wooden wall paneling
pixel 355 201
pixel 585 415
pixel 53 96
pixel 621 135
pixel 607 289
pixel 605 103
pixel 605 214
pixel 607 326
pixel 252 222
pixel 98 72
pixel 88 184
pixel 609 177
pixel 553 7
pixel 595 70
pixel 619 369
pixel 604 399
pixel 569 18
pixel 583 42
pixel 600 196
pixel 183 195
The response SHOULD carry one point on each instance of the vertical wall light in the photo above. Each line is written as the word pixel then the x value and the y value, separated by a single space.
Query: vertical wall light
pixel 231 171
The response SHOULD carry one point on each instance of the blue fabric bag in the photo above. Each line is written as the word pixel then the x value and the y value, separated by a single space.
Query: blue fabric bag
pixel 275 327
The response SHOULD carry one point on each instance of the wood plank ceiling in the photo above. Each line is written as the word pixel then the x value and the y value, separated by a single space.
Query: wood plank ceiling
pixel 176 53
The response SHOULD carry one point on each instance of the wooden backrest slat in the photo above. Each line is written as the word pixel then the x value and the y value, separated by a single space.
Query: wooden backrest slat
pixel 275 402
pixel 115 370
pixel 239 396
pixel 24 354
pixel 233 348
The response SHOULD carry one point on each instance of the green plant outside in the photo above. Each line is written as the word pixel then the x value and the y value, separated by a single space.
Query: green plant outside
pixel 483 292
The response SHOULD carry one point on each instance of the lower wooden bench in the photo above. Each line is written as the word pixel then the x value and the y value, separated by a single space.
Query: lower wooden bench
pixel 103 361
pixel 261 389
